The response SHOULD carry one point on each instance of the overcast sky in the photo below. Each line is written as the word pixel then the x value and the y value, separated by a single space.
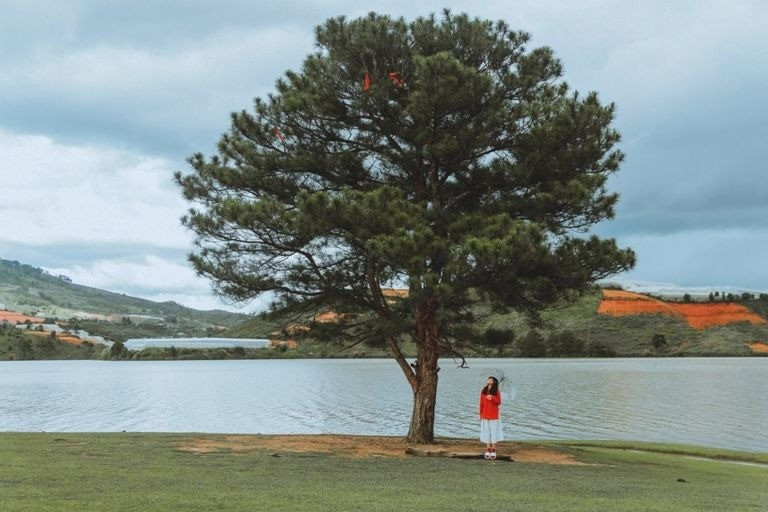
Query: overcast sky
pixel 102 100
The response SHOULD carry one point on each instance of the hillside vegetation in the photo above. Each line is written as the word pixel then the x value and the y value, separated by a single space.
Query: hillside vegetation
pixel 619 324
pixel 30 294
pixel 587 328
pixel 678 329
pixel 33 291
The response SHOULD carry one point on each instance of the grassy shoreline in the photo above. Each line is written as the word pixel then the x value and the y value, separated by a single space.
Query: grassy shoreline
pixel 152 471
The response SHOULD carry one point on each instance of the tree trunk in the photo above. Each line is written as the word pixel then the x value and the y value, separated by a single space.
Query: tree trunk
pixel 424 386
pixel 422 429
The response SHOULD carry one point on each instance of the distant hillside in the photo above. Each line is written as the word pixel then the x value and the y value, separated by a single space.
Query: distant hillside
pixel 638 326
pixel 33 291
pixel 584 329
pixel 665 328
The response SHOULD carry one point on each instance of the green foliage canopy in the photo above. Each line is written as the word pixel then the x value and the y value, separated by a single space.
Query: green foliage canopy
pixel 471 176
pixel 440 155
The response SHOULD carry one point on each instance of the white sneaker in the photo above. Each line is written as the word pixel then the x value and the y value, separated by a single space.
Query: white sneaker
pixel 487 455
pixel 493 456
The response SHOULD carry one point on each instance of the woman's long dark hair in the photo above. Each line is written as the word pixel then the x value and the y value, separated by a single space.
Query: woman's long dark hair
pixel 494 389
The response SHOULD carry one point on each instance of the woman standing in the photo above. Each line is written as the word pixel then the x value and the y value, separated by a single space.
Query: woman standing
pixel 490 422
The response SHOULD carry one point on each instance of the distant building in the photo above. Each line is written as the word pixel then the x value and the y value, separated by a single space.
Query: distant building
pixel 137 319
pixel 142 343
pixel 53 328
pixel 85 335
pixel 82 315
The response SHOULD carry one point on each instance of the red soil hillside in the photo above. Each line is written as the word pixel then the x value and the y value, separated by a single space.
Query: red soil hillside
pixel 699 315
pixel 63 338
pixel 14 318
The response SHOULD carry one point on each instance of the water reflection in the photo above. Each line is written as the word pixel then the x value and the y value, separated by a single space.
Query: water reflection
pixel 716 402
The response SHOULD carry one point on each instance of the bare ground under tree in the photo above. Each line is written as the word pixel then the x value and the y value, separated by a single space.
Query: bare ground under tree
pixel 370 446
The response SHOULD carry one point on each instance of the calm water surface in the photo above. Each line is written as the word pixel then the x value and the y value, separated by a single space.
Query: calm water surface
pixel 714 401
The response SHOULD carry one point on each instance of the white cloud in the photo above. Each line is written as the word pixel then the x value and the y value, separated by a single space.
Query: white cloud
pixel 57 193
pixel 149 274
pixel 209 302
pixel 153 278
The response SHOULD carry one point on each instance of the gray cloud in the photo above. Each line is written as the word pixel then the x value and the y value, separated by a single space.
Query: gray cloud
pixel 165 100
pixel 720 259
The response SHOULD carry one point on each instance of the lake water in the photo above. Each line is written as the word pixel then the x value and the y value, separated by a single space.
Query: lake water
pixel 719 402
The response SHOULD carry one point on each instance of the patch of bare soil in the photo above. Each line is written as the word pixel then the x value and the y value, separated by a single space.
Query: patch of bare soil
pixel 699 315
pixel 371 446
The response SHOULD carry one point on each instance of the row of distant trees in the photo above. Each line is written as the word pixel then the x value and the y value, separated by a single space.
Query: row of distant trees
pixel 563 343
pixel 728 297
pixel 118 352
pixel 14 344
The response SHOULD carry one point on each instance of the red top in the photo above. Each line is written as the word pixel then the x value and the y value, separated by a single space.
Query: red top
pixel 489 406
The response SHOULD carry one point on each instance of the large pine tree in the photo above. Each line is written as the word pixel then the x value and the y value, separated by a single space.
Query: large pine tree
pixel 439 155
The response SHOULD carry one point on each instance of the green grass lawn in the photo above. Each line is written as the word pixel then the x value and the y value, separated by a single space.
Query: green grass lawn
pixel 149 472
